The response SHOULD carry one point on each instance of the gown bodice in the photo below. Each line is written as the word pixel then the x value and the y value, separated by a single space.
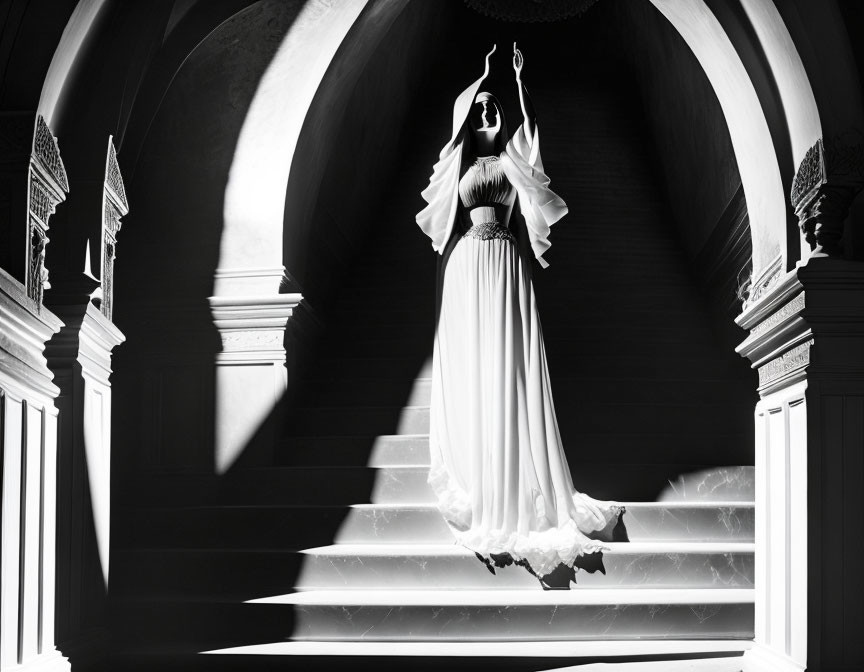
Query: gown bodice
pixel 485 192
pixel 484 184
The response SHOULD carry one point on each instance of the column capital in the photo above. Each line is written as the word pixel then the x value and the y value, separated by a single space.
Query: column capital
pixel 252 328
pixel 829 177
pixel 820 301
pixel 88 338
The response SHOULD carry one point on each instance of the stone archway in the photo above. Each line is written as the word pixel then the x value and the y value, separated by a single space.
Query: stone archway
pixel 249 280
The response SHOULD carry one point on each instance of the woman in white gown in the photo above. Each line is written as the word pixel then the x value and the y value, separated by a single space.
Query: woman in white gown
pixel 498 465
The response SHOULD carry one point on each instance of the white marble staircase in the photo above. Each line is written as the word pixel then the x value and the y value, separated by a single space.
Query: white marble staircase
pixel 682 582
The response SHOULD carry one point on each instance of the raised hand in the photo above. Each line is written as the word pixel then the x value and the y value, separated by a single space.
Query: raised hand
pixel 518 61
pixel 488 56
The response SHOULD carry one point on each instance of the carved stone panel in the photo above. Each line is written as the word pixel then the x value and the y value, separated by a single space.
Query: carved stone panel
pixel 47 186
pixel 786 364
pixel 114 206
pixel 826 183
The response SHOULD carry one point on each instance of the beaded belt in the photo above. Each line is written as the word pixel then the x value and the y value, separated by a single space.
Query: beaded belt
pixel 489 231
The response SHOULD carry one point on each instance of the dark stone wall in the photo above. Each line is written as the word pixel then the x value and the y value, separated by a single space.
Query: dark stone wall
pixel 641 156
pixel 642 361
pixel 168 248
pixel 349 147
pixel 689 131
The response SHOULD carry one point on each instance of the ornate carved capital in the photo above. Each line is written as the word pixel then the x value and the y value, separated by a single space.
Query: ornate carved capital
pixel 48 186
pixel 827 180
pixel 115 205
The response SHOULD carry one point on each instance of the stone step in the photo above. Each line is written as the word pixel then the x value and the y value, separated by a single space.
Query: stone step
pixel 416 566
pixel 588 364
pixel 392 455
pixel 660 655
pixel 284 526
pixel 196 624
pixel 568 391
pixel 399 656
pixel 354 420
pixel 436 616
pixel 619 445
pixel 223 572
pixel 330 485
pixel 590 416
pixel 383 450
pixel 389 368
pixel 378 342
pixel 644 522
pixel 372 392
pixel 248 573
pixel 311 485
pixel 500 615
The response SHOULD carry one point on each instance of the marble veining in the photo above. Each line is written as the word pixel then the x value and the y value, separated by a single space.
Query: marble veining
pixel 524 622
pixel 621 568
pixel 717 484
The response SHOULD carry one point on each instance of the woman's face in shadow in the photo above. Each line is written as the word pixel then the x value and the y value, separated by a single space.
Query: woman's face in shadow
pixel 485 116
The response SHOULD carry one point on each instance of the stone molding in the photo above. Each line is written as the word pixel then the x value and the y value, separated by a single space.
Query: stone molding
pixel 810 303
pixel 88 338
pixel 252 328
pixel 251 281
pixel 25 327
pixel 787 367
pixel 779 342
pixel 780 316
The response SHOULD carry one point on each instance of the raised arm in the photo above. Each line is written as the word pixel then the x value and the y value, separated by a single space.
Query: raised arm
pixel 528 116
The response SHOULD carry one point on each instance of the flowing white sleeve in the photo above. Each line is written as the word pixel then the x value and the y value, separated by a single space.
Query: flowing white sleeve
pixel 540 206
pixel 437 218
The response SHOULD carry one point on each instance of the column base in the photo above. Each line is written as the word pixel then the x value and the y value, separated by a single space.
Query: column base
pixel 50 661
pixel 762 658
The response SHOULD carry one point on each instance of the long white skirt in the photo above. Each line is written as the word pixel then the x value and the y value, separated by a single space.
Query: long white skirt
pixel 498 466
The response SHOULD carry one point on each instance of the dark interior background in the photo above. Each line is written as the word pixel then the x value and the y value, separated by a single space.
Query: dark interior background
pixel 635 305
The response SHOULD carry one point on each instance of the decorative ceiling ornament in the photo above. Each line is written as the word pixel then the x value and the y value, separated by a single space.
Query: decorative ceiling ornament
pixel 530 11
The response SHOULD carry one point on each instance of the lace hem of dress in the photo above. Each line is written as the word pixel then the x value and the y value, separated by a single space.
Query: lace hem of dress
pixel 543 551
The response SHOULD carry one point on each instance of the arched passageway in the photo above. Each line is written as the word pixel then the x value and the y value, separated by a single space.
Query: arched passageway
pixel 251 151
pixel 646 381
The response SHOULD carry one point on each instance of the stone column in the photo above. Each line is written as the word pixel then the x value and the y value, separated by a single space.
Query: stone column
pixel 80 357
pixel 251 377
pixel 807 342
pixel 30 188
